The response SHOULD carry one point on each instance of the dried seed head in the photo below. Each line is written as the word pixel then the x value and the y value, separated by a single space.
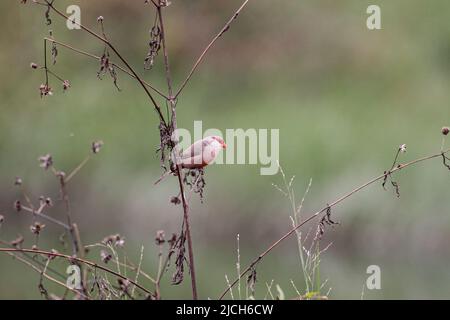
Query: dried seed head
pixel 37 227
pixel 445 130
pixel 402 148
pixel 48 202
pixel 105 256
pixel 175 200
pixel 100 19
pixel 159 240
pixel 96 146
pixel 124 284
pixel 114 240
pixel 45 90
pixel 33 65
pixel 120 241
pixel 46 161
pixel 2 218
pixel 18 205
pixel 34 247
pixel 18 181
pixel 66 85
pixel 45 201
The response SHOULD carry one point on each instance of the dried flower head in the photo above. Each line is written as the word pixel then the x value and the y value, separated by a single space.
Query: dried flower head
pixel 402 148
pixel 45 90
pixel 66 85
pixel 154 46
pixel 46 161
pixel 37 227
pixel 96 146
pixel 33 65
pixel 175 200
pixel 18 181
pixel 106 66
pixel 120 242
pixel 445 130
pixel 45 201
pixel 124 284
pixel 100 18
pixel 2 218
pixel 18 205
pixel 114 240
pixel 159 240
pixel 105 256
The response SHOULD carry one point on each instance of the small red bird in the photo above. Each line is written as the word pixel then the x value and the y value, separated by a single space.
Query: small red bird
pixel 200 154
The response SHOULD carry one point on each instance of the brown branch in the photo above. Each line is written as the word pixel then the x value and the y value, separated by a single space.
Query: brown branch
pixel 208 47
pixel 179 170
pixel 125 62
pixel 324 209
pixel 71 258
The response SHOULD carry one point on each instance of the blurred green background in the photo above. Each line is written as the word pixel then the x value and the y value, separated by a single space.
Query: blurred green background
pixel 343 97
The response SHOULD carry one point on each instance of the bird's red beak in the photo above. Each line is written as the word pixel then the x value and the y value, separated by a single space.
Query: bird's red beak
pixel 224 145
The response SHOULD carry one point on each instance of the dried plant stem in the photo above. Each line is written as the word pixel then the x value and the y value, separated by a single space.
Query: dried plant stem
pixel 71 258
pixel 179 170
pixel 45 62
pixel 128 265
pixel 124 61
pixel 46 217
pixel 32 260
pixel 324 209
pixel 209 46
pixel 78 168
pixel 65 198
pixel 141 257
pixel 160 273
pixel 44 274
pixel 93 56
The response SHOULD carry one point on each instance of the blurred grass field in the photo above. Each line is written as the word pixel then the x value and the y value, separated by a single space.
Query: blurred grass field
pixel 343 97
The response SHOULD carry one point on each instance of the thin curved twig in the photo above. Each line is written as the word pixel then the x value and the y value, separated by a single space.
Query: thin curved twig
pixel 324 209
pixel 209 46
